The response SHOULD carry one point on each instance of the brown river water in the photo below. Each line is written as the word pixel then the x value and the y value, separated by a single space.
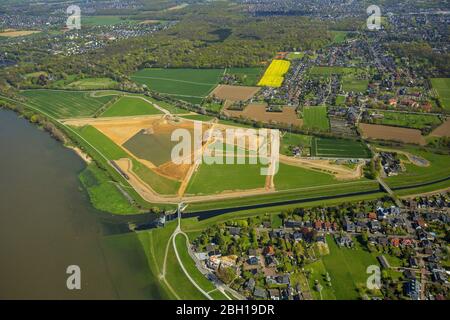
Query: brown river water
pixel 47 223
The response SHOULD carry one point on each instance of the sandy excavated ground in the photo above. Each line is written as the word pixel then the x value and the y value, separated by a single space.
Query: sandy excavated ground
pixel 234 93
pixel 443 130
pixel 375 131
pixel 340 172
pixel 121 129
pixel 258 112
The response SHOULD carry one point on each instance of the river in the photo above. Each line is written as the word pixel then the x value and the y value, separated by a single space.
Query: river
pixel 47 223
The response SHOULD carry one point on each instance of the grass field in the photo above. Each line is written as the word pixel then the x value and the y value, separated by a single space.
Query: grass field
pixel 105 20
pixel 318 273
pixel 102 143
pixel 339 36
pixel 347 268
pixel 408 120
pixel 438 169
pixel 273 76
pixel 305 195
pixel 339 148
pixel 290 177
pixel 316 118
pixel 65 104
pixel 442 86
pixel 216 178
pixel 292 139
pixel 92 84
pixel 160 184
pixel 351 84
pixel 129 106
pixel 190 85
pixel 247 76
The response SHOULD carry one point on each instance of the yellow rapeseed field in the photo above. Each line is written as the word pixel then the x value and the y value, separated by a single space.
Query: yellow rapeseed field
pixel 273 77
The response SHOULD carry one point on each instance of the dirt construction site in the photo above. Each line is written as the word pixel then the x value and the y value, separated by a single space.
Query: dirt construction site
pixel 147 140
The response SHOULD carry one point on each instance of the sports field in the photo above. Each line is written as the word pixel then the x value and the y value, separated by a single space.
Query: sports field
pixel 442 86
pixel 316 118
pixel 273 77
pixel 190 85
pixel 130 106
pixel 339 148
pixel 65 104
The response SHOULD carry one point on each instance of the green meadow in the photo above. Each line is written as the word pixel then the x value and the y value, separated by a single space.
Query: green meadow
pixel 316 118
pixel 442 86
pixel 130 106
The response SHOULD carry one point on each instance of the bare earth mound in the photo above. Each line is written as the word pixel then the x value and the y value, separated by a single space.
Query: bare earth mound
pixel 258 112
pixel 234 93
pixel 443 130
pixel 375 131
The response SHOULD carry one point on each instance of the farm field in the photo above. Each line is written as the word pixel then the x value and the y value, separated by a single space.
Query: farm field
pixel 442 86
pixel 380 132
pixel 234 93
pixel 65 104
pixel 443 130
pixel 11 33
pixel 191 85
pixel 273 76
pixel 316 118
pixel 409 120
pixel 246 76
pixel 129 106
pixel 257 112
pixel 338 148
